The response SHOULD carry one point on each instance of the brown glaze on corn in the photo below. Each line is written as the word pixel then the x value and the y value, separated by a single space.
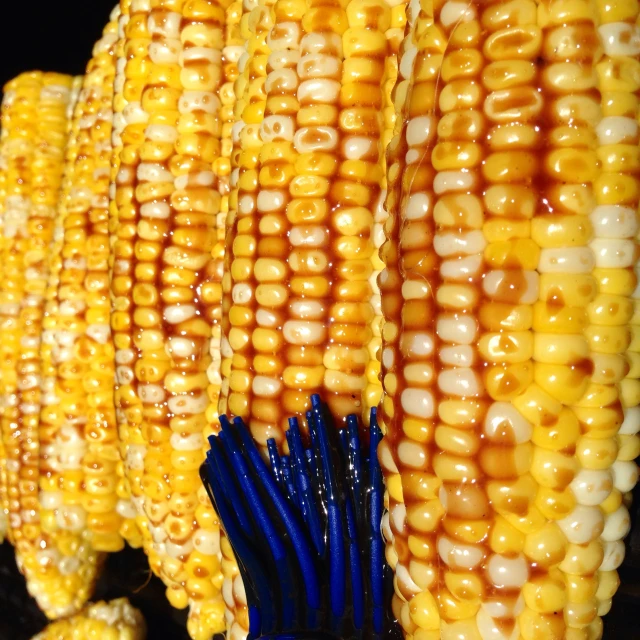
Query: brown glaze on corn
pixel 299 305
pixel 506 297
pixel 168 202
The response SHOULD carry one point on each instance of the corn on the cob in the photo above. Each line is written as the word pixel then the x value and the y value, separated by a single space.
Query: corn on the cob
pixel 506 298
pixel 167 204
pixel 298 297
pixel 114 620
pixel 59 566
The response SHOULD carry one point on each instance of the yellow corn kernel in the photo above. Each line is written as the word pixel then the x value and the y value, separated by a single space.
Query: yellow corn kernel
pixel 115 620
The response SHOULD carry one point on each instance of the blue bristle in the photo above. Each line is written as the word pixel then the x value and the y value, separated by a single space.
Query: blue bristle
pixel 355 459
pixel 219 475
pixel 311 461
pixel 276 464
pixel 318 477
pixel 287 476
pixel 260 513
pixel 297 537
pixel 355 561
pixel 336 550
pixel 232 492
pixel 305 527
pixel 303 486
pixel 376 504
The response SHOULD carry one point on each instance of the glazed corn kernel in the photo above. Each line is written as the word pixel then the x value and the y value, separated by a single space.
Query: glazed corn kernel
pixel 115 620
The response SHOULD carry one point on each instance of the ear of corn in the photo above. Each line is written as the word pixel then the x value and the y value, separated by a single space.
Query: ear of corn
pixel 115 620
pixel 508 345
pixel 297 308
pixel 167 205
pixel 77 424
pixel 59 566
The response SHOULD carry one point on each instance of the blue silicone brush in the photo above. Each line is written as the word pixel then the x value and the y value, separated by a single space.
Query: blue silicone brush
pixel 305 528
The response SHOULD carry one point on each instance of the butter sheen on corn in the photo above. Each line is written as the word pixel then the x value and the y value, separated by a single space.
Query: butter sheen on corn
pixel 508 340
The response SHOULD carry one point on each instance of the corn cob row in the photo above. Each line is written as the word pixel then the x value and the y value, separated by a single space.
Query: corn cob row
pixel 115 620
pixel 18 125
pixel 563 352
pixel 249 88
pixel 200 130
pixel 236 613
pixel 233 49
pixel 4 171
pixel 128 135
pixel 422 50
pixel 394 36
pixel 131 529
pixel 59 454
pixel 85 356
pixel 615 228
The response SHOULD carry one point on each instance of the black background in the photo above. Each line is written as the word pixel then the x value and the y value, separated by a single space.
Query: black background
pixel 49 35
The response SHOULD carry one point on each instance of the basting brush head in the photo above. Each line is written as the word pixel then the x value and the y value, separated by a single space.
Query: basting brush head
pixel 305 528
